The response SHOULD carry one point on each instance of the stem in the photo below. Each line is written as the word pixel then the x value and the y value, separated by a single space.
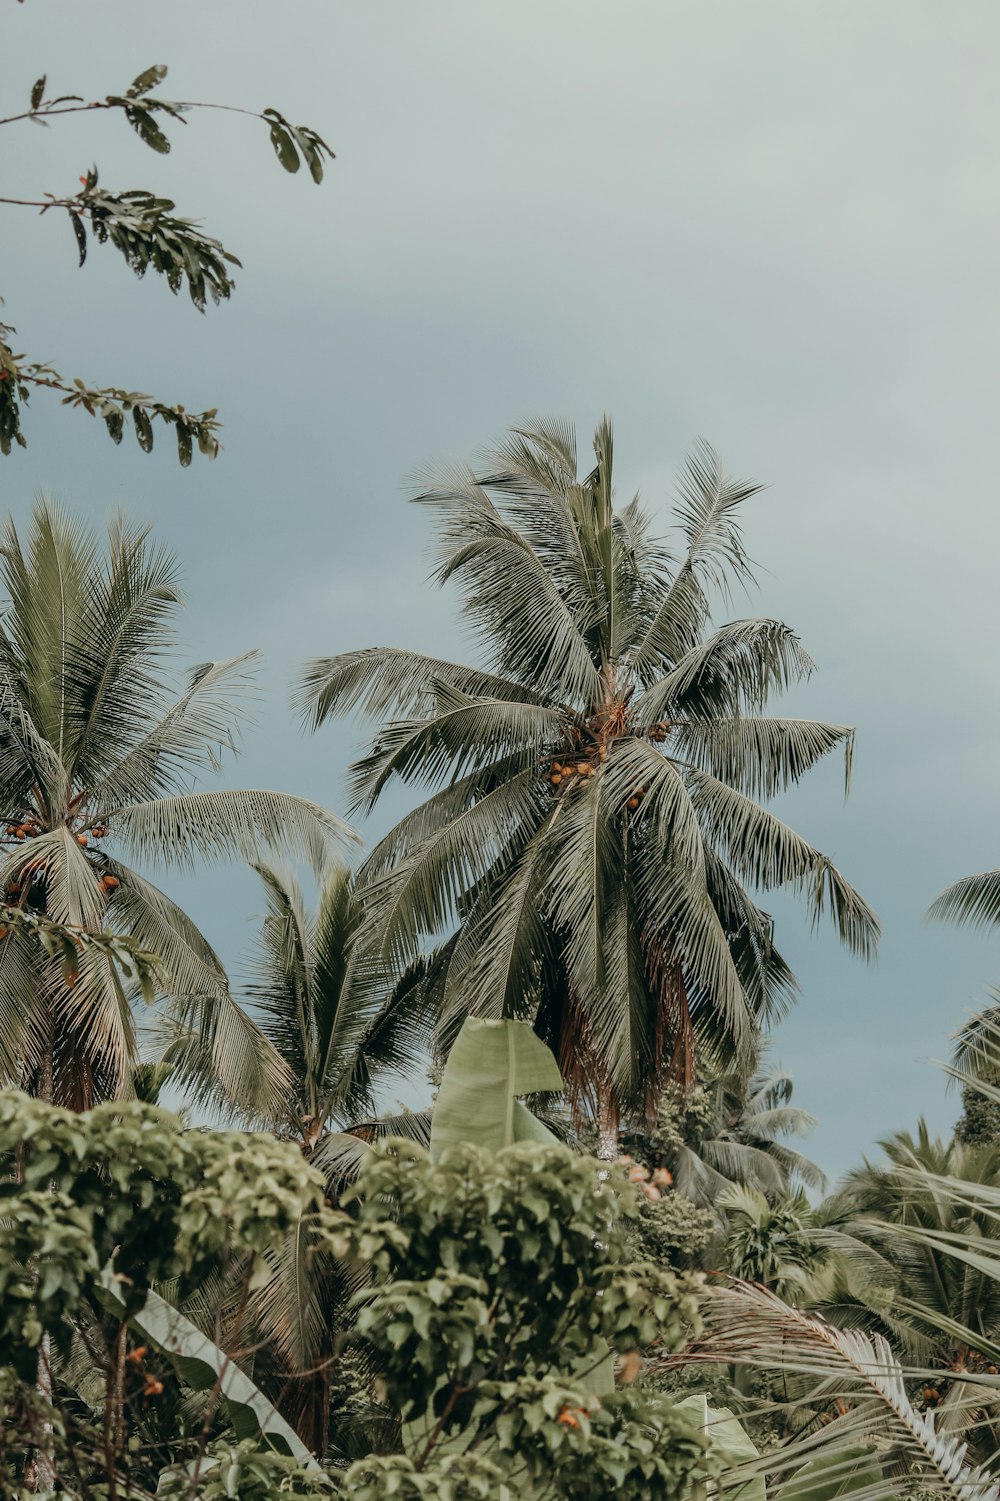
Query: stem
pixel 39 202
pixel 40 1471
pixel 449 1407
pixel 69 109
pixel 77 109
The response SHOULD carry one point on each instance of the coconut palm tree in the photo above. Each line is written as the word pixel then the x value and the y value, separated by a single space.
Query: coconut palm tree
pixel 728 1131
pixel 330 1012
pixel 593 824
pixel 340 1028
pixel 97 758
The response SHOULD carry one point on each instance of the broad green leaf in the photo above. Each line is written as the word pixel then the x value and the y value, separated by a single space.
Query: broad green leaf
pixel 729 1439
pixel 490 1065
pixel 828 1476
pixel 201 1364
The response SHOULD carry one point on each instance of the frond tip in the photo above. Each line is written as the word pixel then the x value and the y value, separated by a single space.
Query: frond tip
pixel 747 1325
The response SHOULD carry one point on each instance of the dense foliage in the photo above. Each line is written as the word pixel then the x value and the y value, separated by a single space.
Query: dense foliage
pixel 497 1284
pixel 459 1302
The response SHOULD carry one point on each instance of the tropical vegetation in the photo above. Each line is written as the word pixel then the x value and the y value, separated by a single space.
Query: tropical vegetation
pixel 99 745
pixel 599 1261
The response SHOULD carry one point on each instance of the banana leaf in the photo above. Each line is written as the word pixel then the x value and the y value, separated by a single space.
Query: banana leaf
pixel 490 1064
pixel 201 1364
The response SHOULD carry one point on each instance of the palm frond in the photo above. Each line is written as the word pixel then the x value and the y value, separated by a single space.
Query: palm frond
pixel 733 672
pixel 221 1057
pixel 177 831
pixel 503 942
pixel 715 558
pixel 769 853
pixel 124 626
pixel 188 963
pixel 189 734
pixel 535 631
pixel 974 901
pixel 281 986
pixel 23 1030
pixel 421 895
pixel 759 756
pixel 745 1325
pixel 382 681
pixel 462 733
pixel 435 813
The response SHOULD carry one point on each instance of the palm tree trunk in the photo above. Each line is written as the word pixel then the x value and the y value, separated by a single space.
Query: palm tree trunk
pixel 607 1124
pixel 40 1471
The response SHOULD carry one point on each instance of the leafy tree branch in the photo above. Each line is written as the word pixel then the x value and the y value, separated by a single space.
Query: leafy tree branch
pixel 148 234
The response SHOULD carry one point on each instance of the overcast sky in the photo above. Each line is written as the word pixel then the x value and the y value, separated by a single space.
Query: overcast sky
pixel 773 223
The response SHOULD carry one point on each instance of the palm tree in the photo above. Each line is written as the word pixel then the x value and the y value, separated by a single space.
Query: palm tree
pixel 728 1132
pixel 340 1029
pixel 773 1242
pixel 936 1291
pixel 97 760
pixel 329 1010
pixel 593 818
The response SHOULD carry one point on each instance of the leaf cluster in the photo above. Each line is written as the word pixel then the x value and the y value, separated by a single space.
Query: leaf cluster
pixel 147 233
pixel 127 1187
pixel 493 1275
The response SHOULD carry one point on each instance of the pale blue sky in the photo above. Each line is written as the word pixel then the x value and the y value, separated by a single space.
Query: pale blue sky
pixel 771 222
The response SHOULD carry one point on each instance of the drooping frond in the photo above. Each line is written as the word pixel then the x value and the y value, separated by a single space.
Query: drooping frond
pixel 380 681
pixel 221 1057
pixel 769 984
pixel 745 1325
pixel 769 853
pixel 732 673
pixel 760 756
pixel 436 811
pixel 422 893
pixel 461 733
pixel 178 831
pixel 504 940
pixel 188 963
pixel 975 1059
pixel 23 1030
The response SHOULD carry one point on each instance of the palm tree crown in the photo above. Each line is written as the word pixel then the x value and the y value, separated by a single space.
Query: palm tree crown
pixel 324 1004
pixel 97 758
pixel 593 820
pixel 730 1131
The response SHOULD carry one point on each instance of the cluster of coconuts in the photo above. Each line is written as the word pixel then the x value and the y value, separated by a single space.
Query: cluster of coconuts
pixel 562 771
pixel 30 828
pixel 26 830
